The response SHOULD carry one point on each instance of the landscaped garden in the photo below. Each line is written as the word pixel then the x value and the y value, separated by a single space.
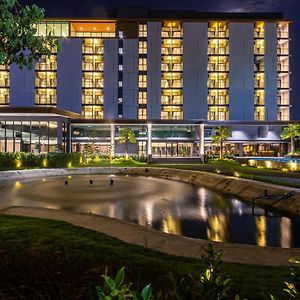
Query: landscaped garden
pixel 43 259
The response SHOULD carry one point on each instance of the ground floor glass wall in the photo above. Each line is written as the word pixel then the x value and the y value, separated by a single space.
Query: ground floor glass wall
pixel 29 136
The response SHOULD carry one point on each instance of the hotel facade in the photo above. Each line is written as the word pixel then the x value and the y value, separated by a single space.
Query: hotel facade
pixel 172 77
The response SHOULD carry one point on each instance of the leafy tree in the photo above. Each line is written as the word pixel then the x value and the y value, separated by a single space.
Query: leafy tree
pixel 19 43
pixel 126 135
pixel 222 134
pixel 292 131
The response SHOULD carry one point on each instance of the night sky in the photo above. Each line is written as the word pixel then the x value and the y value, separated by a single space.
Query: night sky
pixel 290 8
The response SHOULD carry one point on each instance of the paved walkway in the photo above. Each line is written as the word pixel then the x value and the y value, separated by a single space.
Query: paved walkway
pixel 159 241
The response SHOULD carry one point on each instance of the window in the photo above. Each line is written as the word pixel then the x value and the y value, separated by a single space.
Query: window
pixel 142 113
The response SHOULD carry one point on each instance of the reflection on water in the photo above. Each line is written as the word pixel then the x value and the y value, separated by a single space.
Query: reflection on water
pixel 285 230
pixel 218 228
pixel 261 230
pixel 169 206
pixel 171 225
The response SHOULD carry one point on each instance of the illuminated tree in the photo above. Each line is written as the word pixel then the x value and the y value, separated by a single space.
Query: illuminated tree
pixel 19 43
pixel 292 132
pixel 126 135
pixel 222 134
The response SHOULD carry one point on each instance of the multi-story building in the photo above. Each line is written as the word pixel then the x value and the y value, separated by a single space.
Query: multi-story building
pixel 173 77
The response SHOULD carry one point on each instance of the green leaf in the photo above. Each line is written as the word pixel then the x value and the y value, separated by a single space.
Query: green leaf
pixel 146 292
pixel 119 277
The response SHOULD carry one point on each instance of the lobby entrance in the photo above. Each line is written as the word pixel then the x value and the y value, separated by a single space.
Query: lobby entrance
pixel 172 149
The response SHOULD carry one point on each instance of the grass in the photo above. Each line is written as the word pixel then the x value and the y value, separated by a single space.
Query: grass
pixel 229 167
pixel 32 250
pixel 116 163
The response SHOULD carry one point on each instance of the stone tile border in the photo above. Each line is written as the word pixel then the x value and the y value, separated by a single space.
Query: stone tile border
pixel 159 241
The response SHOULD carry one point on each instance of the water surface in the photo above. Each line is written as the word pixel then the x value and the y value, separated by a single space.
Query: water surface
pixel 166 205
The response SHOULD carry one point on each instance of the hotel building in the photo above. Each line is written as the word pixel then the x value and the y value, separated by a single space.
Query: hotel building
pixel 173 77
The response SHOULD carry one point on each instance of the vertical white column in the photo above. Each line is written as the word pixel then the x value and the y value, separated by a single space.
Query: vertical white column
pixel 69 137
pixel 149 140
pixel 59 134
pixel 241 150
pixel 201 141
pixel 112 139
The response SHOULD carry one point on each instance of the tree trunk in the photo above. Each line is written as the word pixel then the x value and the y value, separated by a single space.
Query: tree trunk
pixel 221 150
pixel 292 145
pixel 126 149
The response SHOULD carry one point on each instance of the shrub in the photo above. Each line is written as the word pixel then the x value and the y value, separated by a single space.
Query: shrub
pixel 17 160
pixel 116 288
pixel 7 160
pixel 293 287
pixel 212 284
pixel 64 160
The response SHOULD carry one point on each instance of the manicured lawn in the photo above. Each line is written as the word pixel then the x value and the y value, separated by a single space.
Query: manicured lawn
pixel 59 261
pixel 229 167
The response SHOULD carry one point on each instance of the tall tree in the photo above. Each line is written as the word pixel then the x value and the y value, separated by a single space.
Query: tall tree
pixel 292 132
pixel 126 135
pixel 19 43
pixel 221 135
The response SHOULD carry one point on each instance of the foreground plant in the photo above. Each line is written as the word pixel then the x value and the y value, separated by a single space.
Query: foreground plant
pixel 18 28
pixel 214 283
pixel 116 288
pixel 293 287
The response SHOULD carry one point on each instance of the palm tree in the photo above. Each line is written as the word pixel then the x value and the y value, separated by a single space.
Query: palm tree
pixel 222 134
pixel 292 131
pixel 126 135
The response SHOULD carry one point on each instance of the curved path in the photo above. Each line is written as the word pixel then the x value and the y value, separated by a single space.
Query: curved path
pixel 159 241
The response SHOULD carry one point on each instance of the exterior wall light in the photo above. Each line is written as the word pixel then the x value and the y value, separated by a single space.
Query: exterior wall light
pixel 44 163
pixel 18 163
pixel 268 164
pixel 252 162
pixel 293 166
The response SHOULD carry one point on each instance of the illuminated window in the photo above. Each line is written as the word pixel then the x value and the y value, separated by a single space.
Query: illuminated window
pixel 260 113
pixel 172 68
pixel 217 113
pixel 143 30
pixel 283 75
pixel 259 68
pixel 53 28
pixel 4 85
pixel 46 80
pixel 142 47
pixel 218 68
pixel 143 64
pixel 142 79
pixel 93 29
pixel 172 112
pixel 92 78
pixel 92 112
pixel 142 113
pixel 142 97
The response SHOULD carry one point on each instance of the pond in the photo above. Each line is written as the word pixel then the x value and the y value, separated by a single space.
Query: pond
pixel 166 205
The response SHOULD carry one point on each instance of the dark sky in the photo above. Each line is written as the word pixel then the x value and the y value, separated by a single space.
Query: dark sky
pixel 290 8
